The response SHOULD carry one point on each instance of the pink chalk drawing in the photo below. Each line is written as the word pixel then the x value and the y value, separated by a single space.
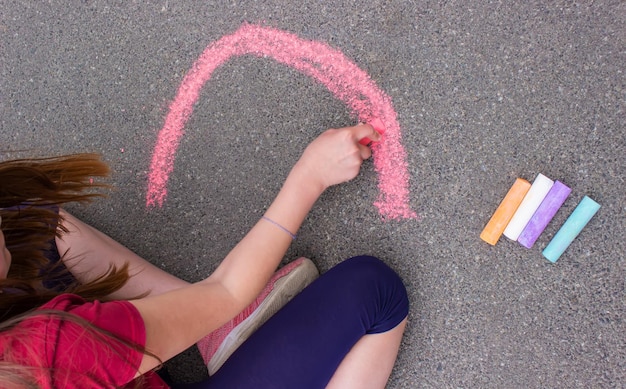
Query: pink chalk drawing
pixel 330 67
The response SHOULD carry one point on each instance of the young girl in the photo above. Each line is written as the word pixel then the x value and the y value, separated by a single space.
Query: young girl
pixel 116 318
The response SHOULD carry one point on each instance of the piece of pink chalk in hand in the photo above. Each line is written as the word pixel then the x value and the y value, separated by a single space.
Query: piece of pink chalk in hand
pixel 378 126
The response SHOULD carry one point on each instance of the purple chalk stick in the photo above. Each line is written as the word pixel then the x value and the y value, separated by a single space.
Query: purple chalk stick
pixel 542 216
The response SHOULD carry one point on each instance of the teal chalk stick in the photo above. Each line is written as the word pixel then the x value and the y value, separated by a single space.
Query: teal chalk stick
pixel 571 228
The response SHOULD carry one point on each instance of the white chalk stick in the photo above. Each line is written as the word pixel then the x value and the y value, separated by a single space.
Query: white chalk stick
pixel 537 192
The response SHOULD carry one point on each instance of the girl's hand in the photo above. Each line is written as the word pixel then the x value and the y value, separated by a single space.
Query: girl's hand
pixel 335 156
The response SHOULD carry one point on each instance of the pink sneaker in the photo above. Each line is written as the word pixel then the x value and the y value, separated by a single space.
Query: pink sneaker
pixel 287 282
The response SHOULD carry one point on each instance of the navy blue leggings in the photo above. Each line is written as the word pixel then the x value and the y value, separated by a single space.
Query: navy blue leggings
pixel 304 343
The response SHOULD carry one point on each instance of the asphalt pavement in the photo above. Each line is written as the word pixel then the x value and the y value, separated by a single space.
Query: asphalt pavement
pixel 483 92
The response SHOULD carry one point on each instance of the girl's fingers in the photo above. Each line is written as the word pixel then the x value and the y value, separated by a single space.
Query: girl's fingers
pixel 365 151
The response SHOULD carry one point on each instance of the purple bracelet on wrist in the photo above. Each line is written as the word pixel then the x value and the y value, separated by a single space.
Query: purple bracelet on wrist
pixel 293 236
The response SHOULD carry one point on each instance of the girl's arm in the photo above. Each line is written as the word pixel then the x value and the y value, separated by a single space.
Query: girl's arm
pixel 177 319
pixel 89 253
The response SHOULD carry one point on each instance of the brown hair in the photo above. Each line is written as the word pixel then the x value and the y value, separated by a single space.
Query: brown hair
pixel 31 190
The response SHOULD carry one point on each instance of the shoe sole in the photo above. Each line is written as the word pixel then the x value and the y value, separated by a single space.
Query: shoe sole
pixel 284 290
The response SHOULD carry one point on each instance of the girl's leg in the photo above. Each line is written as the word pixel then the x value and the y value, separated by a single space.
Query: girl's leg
pixel 355 313
pixel 370 362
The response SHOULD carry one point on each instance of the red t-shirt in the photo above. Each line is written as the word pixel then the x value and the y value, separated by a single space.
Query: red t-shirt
pixel 69 356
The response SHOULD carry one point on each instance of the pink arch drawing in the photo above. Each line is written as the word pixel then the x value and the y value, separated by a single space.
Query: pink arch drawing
pixel 328 66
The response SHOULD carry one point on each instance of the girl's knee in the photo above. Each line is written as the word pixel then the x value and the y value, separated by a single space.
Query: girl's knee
pixel 373 280
pixel 372 269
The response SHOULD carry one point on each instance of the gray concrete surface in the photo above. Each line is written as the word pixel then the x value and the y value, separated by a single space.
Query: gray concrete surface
pixel 485 92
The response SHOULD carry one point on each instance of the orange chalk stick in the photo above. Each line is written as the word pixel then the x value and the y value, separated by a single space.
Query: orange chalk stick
pixel 501 218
